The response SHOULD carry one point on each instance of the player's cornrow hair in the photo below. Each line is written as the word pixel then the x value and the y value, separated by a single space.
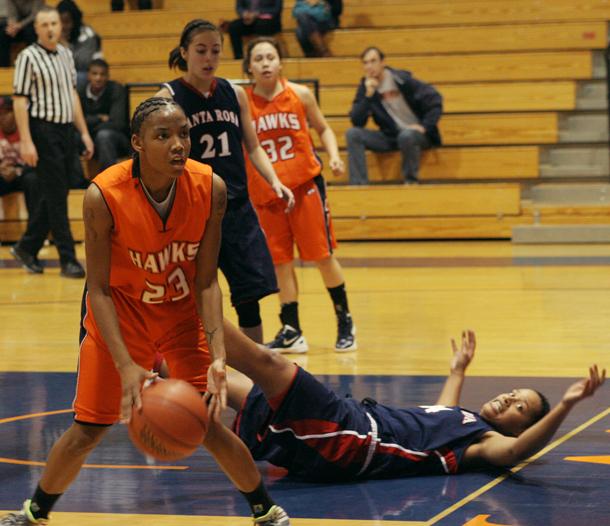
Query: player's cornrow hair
pixel 255 42
pixel 190 30
pixel 545 407
pixel 143 111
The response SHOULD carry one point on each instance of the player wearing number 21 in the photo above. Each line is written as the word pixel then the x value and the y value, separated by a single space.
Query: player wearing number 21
pixel 220 129
pixel 282 112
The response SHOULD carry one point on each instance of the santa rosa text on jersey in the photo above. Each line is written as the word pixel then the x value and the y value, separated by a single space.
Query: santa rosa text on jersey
pixel 205 116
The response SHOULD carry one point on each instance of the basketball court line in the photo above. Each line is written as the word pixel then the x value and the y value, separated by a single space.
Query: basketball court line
pixel 28 416
pixel 451 509
pixel 118 519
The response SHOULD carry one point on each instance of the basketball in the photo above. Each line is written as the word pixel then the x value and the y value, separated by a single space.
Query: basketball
pixel 172 422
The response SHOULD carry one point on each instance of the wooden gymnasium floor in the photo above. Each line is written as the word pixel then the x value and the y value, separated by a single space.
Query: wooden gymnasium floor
pixel 541 314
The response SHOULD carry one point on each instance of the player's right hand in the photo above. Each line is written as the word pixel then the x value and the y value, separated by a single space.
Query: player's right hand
pixel 585 387
pixel 132 378
pixel 463 355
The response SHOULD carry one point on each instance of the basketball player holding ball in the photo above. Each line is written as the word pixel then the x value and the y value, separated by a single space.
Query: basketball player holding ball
pixel 152 230
pixel 221 128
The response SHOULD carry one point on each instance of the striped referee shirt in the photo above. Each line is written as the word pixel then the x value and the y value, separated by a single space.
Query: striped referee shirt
pixel 47 78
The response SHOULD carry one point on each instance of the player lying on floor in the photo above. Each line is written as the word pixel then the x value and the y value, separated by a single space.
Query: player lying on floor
pixel 288 418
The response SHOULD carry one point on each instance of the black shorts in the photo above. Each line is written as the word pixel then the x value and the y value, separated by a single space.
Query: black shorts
pixel 244 256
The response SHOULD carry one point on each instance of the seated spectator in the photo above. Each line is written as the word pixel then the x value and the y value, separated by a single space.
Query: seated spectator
pixel 15 175
pixel 119 5
pixel 84 43
pixel 256 17
pixel 405 109
pixel 314 19
pixel 104 105
pixel 16 25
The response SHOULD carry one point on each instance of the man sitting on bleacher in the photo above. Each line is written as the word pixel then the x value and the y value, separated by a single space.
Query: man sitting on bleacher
pixel 15 176
pixel 104 103
pixel 406 110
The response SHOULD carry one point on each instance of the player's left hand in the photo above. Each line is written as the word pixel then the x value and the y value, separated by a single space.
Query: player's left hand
pixel 89 148
pixel 585 387
pixel 337 166
pixel 217 386
pixel 285 193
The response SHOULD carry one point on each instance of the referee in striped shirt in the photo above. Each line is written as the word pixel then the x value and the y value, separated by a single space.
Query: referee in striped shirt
pixel 46 108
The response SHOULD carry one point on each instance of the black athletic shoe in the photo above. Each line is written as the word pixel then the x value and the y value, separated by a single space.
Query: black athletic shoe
pixel 288 340
pixel 346 334
pixel 72 269
pixel 29 262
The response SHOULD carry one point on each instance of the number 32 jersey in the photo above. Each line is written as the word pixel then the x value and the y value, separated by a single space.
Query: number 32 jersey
pixel 282 129
pixel 215 129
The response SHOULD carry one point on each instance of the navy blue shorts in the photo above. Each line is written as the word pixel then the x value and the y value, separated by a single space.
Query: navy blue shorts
pixel 314 434
pixel 244 256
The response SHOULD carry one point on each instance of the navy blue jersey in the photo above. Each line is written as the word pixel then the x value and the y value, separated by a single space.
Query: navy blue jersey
pixel 318 436
pixel 422 440
pixel 215 127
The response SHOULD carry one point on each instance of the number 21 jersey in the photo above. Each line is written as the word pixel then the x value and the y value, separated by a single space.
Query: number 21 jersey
pixel 215 128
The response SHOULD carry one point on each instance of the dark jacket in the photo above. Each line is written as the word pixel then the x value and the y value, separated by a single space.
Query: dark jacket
pixel 265 7
pixel 423 99
pixel 113 102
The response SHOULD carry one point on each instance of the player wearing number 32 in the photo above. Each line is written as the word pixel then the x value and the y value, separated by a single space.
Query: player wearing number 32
pixel 219 121
pixel 281 112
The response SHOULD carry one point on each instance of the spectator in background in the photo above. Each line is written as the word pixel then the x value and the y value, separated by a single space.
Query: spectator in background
pixel 104 105
pixel 84 43
pixel 405 109
pixel 15 176
pixel 18 26
pixel 256 17
pixel 314 19
pixel 45 119
pixel 119 5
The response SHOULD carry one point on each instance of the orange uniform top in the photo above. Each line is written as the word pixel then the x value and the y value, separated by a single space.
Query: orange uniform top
pixel 282 129
pixel 152 261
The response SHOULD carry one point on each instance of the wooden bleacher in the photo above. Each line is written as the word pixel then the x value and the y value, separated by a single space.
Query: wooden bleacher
pixel 506 71
pixel 527 37
pixel 439 69
pixel 170 21
pixel 362 13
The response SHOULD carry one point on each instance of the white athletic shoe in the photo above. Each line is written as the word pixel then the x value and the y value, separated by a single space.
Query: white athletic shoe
pixel 289 341
pixel 276 516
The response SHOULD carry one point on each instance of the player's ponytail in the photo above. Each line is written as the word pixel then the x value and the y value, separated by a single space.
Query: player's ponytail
pixel 191 29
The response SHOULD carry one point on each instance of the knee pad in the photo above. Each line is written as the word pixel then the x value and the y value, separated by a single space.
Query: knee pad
pixel 248 314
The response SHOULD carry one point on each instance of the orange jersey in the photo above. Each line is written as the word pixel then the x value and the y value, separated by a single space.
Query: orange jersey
pixel 152 262
pixel 282 129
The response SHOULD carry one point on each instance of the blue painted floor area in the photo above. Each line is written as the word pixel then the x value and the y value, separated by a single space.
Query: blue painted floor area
pixel 551 491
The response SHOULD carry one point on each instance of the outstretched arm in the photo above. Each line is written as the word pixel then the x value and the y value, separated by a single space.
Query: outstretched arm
pixel 500 450
pixel 450 395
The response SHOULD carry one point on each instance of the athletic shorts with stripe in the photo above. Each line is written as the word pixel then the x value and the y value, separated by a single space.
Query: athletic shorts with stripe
pixel 313 433
pixel 171 330
pixel 309 225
